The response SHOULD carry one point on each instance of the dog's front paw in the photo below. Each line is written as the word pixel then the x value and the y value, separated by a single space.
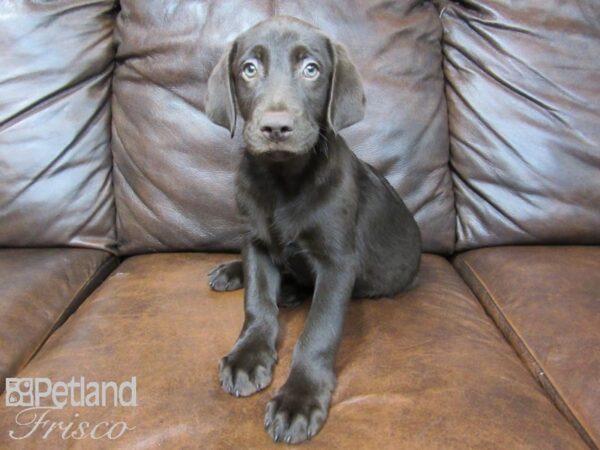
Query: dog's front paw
pixel 296 413
pixel 247 369
pixel 227 276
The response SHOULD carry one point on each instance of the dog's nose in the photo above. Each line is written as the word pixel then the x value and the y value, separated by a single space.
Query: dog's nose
pixel 277 125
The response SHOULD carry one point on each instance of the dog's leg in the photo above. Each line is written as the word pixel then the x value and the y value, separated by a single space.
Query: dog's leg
pixel 248 366
pixel 228 276
pixel 298 410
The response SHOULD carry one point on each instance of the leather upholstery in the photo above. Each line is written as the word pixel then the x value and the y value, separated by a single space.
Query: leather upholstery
pixel 524 106
pixel 174 169
pixel 428 369
pixel 39 288
pixel 57 61
pixel 425 370
pixel 546 301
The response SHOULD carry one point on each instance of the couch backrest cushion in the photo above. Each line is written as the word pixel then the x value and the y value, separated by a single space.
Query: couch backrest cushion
pixel 524 109
pixel 174 169
pixel 56 62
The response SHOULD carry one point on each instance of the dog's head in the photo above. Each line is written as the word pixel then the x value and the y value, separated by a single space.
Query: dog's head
pixel 288 81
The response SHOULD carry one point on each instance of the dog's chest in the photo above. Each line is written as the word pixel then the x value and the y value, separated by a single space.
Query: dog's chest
pixel 286 224
pixel 284 229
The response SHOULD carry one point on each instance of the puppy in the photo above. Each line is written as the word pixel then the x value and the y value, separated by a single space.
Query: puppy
pixel 318 221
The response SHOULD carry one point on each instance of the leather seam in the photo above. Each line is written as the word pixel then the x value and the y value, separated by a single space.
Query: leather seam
pixel 547 386
pixel 75 300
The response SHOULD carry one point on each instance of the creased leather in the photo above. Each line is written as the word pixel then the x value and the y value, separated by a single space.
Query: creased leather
pixel 425 370
pixel 523 89
pixel 174 169
pixel 56 63
pixel 39 288
pixel 546 301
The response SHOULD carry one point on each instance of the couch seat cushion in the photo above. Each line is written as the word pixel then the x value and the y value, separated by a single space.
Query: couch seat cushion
pixel 39 288
pixel 546 300
pixel 425 370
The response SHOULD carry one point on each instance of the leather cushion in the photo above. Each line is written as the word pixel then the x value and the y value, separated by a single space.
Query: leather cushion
pixel 425 370
pixel 546 300
pixel 57 61
pixel 39 288
pixel 523 88
pixel 174 169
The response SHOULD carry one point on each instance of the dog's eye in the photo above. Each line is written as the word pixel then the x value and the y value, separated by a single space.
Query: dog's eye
pixel 249 70
pixel 310 71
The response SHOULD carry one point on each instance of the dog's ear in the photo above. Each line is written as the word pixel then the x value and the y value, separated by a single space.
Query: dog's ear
pixel 220 94
pixel 346 96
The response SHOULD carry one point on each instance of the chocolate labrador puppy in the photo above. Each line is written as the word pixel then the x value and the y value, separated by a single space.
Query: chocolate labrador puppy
pixel 318 220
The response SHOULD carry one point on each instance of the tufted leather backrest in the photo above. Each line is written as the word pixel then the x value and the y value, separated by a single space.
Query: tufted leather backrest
pixel 523 89
pixel 174 169
pixel 56 61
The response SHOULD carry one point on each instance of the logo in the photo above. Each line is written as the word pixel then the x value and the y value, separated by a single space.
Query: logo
pixel 19 392
pixel 40 397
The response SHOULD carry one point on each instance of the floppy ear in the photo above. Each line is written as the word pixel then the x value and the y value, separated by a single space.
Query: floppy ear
pixel 346 95
pixel 220 96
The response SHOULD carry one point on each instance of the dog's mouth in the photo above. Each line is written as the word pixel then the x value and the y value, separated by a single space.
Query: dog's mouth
pixel 278 155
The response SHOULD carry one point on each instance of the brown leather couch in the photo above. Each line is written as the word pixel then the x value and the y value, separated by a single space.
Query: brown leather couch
pixel 116 198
